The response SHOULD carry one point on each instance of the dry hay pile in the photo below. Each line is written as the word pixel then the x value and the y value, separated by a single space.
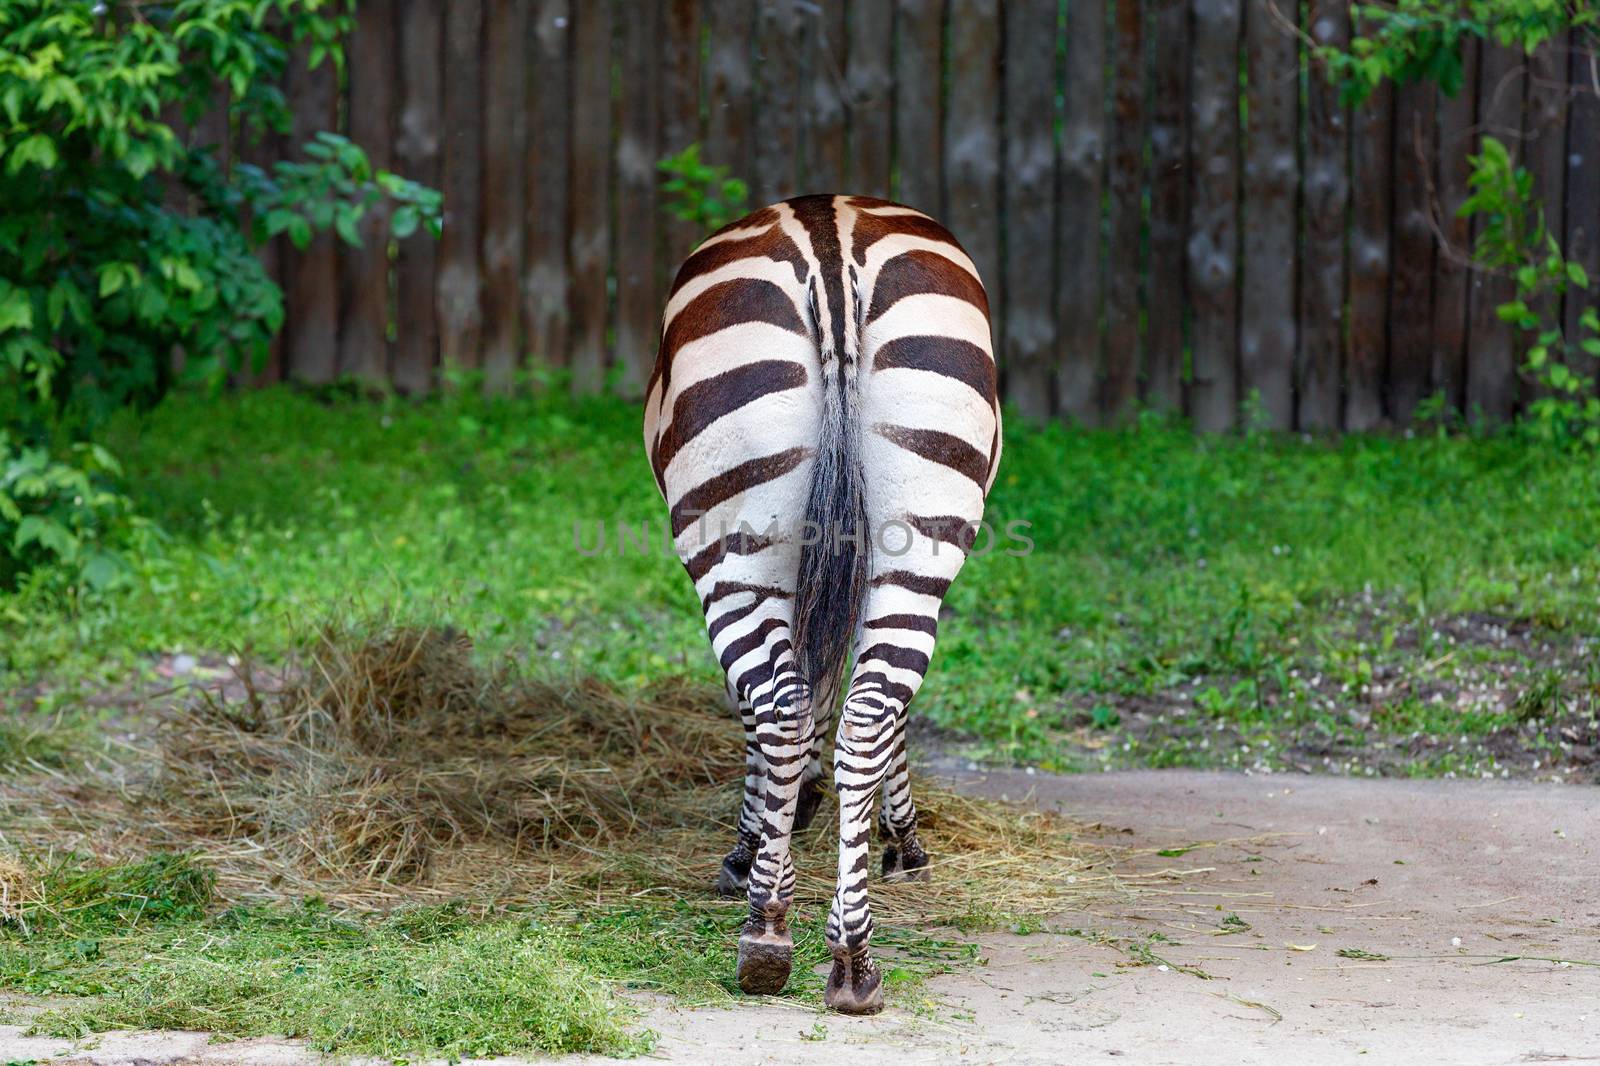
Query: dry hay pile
pixel 390 766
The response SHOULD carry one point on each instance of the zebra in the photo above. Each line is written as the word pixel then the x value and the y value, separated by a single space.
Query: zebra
pixel 822 423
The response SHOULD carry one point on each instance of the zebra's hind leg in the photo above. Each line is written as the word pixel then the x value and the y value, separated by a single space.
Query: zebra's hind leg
pixel 903 856
pixel 734 875
pixel 813 789
pixel 783 729
pixel 896 642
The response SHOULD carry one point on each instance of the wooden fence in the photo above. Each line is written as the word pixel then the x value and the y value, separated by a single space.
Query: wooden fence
pixel 1168 204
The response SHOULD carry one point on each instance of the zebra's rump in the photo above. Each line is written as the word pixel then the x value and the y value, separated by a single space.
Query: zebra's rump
pixel 843 290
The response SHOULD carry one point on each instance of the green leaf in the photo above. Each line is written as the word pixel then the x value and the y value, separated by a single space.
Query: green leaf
pixel 47 533
pixel 16 309
pixel 111 279
pixel 38 150
pixel 101 569
pixel 1512 311
pixel 405 221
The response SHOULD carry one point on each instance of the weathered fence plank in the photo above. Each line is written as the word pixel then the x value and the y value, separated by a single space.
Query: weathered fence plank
pixel 1120 387
pixel 871 86
pixel 460 292
pixel 1326 191
pixel 1367 347
pixel 730 86
pixel 1410 308
pixel 918 109
pixel 972 136
pixel 679 97
pixel 364 271
pixel 1545 139
pixel 547 170
pixel 505 115
pixel 1491 358
pixel 1078 209
pixel 823 138
pixel 1214 213
pixel 311 275
pixel 1455 140
pixel 417 149
pixel 260 148
pixel 1027 286
pixel 589 255
pixel 1271 181
pixel 638 147
pixel 1169 199
pixel 778 46
pixel 1582 244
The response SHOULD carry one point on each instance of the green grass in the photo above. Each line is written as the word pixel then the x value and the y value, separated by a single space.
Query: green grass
pixel 1227 570
pixel 139 946
pixel 131 947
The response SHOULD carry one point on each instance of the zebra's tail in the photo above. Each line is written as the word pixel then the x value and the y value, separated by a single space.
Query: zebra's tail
pixel 835 554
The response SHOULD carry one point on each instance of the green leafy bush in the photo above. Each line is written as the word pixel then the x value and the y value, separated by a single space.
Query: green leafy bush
pixel 1420 40
pixel 121 245
pixel 699 192
pixel 1513 238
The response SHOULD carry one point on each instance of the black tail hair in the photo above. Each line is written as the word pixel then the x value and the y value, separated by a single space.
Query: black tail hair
pixel 833 567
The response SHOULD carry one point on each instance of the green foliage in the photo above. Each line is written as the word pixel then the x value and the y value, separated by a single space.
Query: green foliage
pixel 426 982
pixel 1415 40
pixel 699 192
pixel 1420 40
pixel 121 244
pixel 1513 238
pixel 1165 565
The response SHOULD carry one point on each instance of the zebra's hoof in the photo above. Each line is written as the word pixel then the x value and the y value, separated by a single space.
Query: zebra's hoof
pixel 906 861
pixel 855 985
pixel 805 812
pixel 765 956
pixel 735 874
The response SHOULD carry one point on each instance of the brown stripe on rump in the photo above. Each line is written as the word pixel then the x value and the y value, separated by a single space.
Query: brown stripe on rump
pixel 927 586
pixel 702 403
pixel 723 589
pixel 936 446
pixel 772 244
pixel 896 656
pixel 700 564
pixel 728 484
pixel 921 271
pixel 764 216
pixel 947 529
pixel 725 304
pixel 962 360
pixel 872 202
pixel 870 229
pixel 921 623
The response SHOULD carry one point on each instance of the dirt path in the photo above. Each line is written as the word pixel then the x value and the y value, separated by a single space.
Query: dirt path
pixel 1390 868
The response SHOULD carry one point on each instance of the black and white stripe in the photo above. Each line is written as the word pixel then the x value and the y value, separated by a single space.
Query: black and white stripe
pixel 825 359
